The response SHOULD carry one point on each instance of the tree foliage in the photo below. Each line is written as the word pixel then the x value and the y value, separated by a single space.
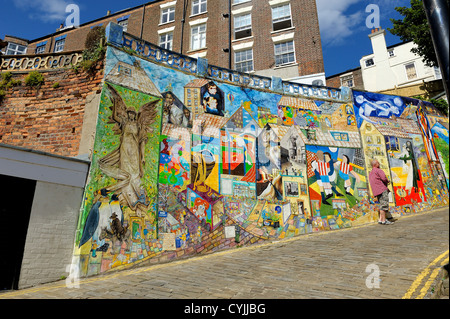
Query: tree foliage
pixel 414 27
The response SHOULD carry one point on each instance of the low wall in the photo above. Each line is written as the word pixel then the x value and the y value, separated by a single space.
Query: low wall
pixel 191 159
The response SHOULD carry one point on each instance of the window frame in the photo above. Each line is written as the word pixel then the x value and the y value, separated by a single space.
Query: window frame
pixel 244 61
pixel 283 19
pixel 40 49
pixel 345 80
pixel 415 71
pixel 198 4
pixel 167 12
pixel 282 54
pixel 15 51
pixel 57 45
pixel 367 60
pixel 199 34
pixel 166 41
pixel 244 30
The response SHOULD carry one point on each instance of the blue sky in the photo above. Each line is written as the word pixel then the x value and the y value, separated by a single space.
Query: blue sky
pixel 343 23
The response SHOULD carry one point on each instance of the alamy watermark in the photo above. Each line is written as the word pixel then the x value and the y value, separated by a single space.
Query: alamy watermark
pixel 73 280
pixel 73 19
pixel 373 279
pixel 373 19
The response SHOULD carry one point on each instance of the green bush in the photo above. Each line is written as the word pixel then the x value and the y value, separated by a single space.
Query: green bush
pixel 34 79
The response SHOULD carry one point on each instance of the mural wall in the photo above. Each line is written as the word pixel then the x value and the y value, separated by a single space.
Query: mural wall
pixel 184 165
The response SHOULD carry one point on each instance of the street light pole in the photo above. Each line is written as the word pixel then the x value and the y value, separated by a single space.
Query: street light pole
pixel 437 12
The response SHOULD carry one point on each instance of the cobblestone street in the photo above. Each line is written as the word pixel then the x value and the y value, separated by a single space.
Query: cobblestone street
pixel 366 262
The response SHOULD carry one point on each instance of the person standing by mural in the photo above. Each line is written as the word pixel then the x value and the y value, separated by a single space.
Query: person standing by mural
pixel 378 183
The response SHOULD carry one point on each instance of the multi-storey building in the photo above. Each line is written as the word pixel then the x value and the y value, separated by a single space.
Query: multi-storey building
pixel 266 37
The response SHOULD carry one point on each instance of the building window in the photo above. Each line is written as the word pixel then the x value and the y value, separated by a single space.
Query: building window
pixel 281 17
pixel 369 62
pixel 124 24
pixel 391 53
pixel 198 37
pixel 168 15
pixel 347 81
pixel 15 49
pixel 284 53
pixel 40 49
pixel 59 45
pixel 243 60
pixel 242 26
pixel 166 41
pixel 411 72
pixel 198 6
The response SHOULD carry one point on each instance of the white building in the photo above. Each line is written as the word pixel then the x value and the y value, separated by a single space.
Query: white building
pixel 394 67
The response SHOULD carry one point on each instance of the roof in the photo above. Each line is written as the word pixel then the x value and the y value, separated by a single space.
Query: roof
pixel 327 139
pixel 389 127
pixel 409 126
pixel 298 103
pixel 137 80
pixel 212 124
pixel 348 71
pixel 197 83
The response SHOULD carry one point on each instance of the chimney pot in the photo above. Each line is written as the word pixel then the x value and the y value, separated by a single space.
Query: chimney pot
pixel 108 12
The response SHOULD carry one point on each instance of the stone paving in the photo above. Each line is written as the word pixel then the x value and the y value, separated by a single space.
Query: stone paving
pixel 326 265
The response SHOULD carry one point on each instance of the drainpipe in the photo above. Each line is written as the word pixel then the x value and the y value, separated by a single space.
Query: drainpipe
pixel 182 25
pixel 229 35
pixel 142 23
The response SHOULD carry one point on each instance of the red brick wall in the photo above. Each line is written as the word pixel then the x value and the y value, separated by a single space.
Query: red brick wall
pixel 48 119
pixel 308 47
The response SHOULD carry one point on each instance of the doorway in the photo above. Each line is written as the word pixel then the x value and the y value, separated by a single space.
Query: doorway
pixel 17 199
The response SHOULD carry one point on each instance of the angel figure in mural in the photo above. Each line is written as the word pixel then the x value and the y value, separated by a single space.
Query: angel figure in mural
pixel 126 163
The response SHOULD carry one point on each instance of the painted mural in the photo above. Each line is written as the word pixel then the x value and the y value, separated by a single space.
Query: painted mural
pixel 186 165
pixel 119 214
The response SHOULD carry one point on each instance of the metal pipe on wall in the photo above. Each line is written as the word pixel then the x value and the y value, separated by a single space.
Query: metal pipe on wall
pixel 437 12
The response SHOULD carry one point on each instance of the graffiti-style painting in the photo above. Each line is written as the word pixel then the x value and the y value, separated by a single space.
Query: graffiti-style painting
pixel 185 165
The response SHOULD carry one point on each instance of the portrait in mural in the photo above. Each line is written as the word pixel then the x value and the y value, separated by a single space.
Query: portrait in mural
pixel 175 112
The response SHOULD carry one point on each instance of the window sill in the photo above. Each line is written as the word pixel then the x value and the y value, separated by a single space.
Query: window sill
pixel 243 39
pixel 282 30
pixel 166 23
pixel 197 14
pixel 282 66
pixel 197 50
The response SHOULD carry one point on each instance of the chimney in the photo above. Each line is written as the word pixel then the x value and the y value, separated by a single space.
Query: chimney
pixel 108 12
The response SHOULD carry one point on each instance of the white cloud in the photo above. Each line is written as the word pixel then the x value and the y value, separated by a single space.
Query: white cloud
pixel 336 23
pixel 45 10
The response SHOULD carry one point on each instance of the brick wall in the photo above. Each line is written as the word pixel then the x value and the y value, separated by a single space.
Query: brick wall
pixel 308 47
pixel 48 119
